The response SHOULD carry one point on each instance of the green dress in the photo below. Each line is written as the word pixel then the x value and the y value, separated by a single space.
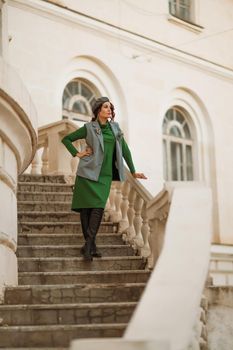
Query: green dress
pixel 94 194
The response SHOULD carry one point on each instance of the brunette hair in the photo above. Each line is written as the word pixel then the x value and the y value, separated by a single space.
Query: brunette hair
pixel 96 112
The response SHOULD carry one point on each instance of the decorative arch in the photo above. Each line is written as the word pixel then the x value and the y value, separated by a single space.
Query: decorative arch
pixel 204 148
pixel 178 144
pixel 98 75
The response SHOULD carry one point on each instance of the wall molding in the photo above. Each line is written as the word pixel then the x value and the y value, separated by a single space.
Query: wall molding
pixel 8 180
pixel 9 243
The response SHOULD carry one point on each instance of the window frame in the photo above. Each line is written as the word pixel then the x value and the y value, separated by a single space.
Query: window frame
pixel 67 112
pixel 167 141
pixel 177 6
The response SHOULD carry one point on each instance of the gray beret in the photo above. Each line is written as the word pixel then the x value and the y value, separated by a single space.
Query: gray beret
pixel 99 102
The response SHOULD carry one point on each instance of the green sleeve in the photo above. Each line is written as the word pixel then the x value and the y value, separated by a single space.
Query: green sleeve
pixel 81 133
pixel 127 156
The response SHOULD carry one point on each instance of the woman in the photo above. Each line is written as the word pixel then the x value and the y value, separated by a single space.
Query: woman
pixel 100 163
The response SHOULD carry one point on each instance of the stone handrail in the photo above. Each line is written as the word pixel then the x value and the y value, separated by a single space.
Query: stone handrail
pixel 52 157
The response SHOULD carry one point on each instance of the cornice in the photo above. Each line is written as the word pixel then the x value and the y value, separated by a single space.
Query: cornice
pixel 57 11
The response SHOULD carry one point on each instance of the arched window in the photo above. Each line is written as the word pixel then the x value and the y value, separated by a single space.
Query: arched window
pixel 78 98
pixel 177 147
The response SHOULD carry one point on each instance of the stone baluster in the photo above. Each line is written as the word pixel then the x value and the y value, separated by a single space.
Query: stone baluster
pixel 116 215
pixel 152 243
pixel 137 222
pixel 145 230
pixel 130 232
pixel 124 223
pixel 45 161
pixel 107 210
pixel 35 169
pixel 111 201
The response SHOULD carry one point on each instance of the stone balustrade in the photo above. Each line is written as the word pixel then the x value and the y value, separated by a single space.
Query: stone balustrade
pixel 18 142
pixel 141 219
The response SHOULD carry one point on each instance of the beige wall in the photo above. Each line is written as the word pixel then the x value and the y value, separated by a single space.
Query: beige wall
pixel 50 46
pixel 151 19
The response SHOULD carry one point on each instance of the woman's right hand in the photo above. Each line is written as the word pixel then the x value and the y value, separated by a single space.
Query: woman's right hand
pixel 87 152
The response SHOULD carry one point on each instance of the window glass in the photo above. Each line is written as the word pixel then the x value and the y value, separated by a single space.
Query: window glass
pixel 181 9
pixel 177 147
pixel 77 100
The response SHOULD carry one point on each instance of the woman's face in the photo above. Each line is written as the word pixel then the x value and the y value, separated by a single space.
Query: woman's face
pixel 105 111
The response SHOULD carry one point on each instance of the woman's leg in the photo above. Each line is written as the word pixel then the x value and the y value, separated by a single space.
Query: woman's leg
pixel 95 218
pixel 84 218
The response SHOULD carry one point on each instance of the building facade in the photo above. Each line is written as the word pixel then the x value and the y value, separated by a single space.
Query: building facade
pixel 167 67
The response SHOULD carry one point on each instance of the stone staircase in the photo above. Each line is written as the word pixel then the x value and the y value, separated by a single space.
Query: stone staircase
pixel 61 297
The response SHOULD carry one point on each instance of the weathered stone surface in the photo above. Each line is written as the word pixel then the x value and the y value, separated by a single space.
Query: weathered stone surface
pixel 38 216
pixel 61 227
pixel 42 178
pixel 56 335
pixel 83 277
pixel 73 293
pixel 65 239
pixel 45 196
pixel 43 187
pixel 16 315
pixel 71 251
pixel 32 206
pixel 74 264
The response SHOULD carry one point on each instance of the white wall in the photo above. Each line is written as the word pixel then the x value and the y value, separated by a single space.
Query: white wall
pixel 152 19
pixel 51 46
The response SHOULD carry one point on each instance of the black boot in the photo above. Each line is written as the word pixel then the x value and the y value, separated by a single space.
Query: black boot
pixel 95 251
pixel 84 217
pixel 94 224
pixel 87 250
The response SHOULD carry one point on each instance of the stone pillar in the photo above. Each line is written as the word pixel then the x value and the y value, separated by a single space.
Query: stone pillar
pixel 4 38
pixel 18 141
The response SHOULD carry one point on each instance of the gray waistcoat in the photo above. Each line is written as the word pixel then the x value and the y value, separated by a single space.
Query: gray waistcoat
pixel 90 166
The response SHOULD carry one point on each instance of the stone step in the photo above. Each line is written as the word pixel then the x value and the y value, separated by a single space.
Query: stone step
pixel 44 348
pixel 74 264
pixel 47 197
pixel 44 187
pixel 64 239
pixel 221 256
pixel 41 178
pixel 55 335
pixel 73 293
pixel 222 277
pixel 71 251
pixel 87 313
pixel 38 216
pixel 221 265
pixel 61 227
pixel 32 206
pixel 69 277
